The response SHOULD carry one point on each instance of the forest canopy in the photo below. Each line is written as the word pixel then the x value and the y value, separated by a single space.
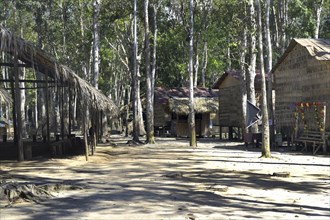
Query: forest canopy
pixel 64 29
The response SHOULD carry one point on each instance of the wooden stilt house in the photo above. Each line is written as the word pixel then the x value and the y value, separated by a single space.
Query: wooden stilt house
pixel 302 79
pixel 230 103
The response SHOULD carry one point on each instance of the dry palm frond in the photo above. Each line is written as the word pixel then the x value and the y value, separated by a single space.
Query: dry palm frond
pixel 5 96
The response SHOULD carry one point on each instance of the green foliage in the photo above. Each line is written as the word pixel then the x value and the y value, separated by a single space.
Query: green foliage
pixel 64 29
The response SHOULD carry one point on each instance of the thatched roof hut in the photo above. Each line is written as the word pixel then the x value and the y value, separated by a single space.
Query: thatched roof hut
pixel 302 75
pixel 172 107
pixel 177 100
pixel 66 81
pixel 42 62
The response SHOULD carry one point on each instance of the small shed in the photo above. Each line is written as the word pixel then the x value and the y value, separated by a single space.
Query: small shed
pixel 172 110
pixel 230 102
pixel 302 75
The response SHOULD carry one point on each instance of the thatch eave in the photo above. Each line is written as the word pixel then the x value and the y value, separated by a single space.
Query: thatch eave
pixel 5 97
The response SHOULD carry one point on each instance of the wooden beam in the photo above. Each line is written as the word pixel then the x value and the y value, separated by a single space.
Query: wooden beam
pixel 70 110
pixel 47 108
pixel 13 65
pixel 27 81
pixel 36 87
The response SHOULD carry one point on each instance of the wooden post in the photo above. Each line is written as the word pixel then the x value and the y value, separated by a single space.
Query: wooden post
pixel 220 130
pixel 70 109
pixel 95 126
pixel 323 132
pixel 85 127
pixel 62 109
pixel 47 108
pixel 230 133
pixel 101 124
pixel 296 128
pixel 12 86
pixel 19 140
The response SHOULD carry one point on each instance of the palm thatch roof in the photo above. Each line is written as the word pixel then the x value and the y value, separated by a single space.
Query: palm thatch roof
pixel 177 100
pixel 201 105
pixel 5 96
pixel 46 64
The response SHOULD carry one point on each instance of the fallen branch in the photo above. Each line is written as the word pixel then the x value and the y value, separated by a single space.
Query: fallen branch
pixel 14 192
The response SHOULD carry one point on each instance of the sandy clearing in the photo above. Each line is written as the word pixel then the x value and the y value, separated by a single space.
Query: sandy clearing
pixel 170 180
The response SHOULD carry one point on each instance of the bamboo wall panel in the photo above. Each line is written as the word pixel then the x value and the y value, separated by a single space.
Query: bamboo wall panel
pixel 230 106
pixel 301 78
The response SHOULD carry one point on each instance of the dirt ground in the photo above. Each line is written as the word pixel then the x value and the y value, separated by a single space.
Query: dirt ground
pixel 170 180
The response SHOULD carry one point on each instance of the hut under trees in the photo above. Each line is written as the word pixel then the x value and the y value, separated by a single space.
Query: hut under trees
pixel 302 79
pixel 230 103
pixel 172 110
pixel 67 99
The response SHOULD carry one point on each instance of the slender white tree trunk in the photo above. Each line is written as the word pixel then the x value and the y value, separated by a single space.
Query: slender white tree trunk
pixel 318 10
pixel 265 148
pixel 243 48
pixel 154 53
pixel 269 66
pixel 150 103
pixel 253 56
pixel 96 42
pixel 204 63
pixel 135 80
pixel 192 129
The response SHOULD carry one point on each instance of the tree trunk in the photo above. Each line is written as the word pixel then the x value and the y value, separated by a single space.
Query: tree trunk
pixel 206 9
pixel 96 42
pixel 40 99
pixel 64 30
pixel 243 47
pixel 318 11
pixel 196 66
pixel 135 80
pixel 283 21
pixel 228 55
pixel 81 21
pixel 150 109
pixel 253 56
pixel 269 66
pixel 56 110
pixel 23 101
pixel 192 129
pixel 265 148
pixel 154 54
pixel 204 63
pixel 19 140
